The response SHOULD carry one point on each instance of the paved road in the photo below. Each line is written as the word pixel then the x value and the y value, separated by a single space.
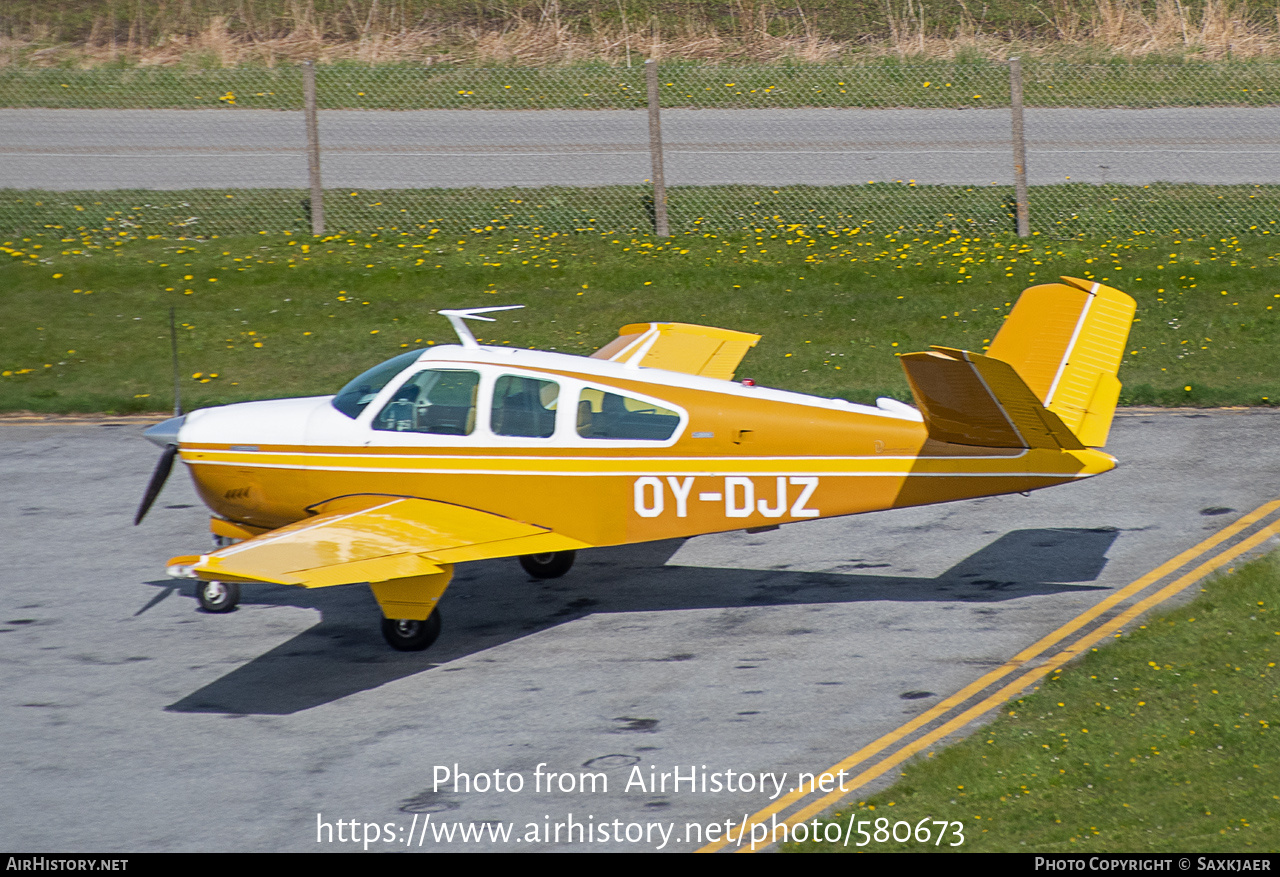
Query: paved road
pixel 133 722
pixel 180 149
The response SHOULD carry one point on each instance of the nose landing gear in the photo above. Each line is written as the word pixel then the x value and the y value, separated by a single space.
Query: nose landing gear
pixel 218 597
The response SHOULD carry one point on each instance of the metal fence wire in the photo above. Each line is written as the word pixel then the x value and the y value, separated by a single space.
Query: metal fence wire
pixel 186 152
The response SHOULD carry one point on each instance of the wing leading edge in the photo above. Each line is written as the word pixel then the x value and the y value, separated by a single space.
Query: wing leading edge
pixel 372 539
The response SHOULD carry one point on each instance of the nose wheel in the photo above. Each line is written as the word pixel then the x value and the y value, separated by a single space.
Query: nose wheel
pixel 218 597
pixel 407 635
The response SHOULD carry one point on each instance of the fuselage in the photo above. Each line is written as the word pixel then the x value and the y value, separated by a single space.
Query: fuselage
pixel 596 450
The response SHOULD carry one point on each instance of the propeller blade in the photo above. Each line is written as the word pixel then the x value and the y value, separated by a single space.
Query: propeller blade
pixel 158 479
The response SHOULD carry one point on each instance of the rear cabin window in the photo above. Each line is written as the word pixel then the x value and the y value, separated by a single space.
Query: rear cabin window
pixel 524 407
pixel 436 401
pixel 604 415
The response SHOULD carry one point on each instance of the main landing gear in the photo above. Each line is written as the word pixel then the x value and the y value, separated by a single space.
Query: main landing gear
pixel 411 636
pixel 407 635
pixel 402 634
pixel 548 566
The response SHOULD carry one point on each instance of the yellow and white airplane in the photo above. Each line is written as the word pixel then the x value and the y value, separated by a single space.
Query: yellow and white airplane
pixel 468 452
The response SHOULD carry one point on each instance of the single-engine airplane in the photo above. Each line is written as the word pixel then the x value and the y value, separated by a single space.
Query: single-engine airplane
pixel 467 452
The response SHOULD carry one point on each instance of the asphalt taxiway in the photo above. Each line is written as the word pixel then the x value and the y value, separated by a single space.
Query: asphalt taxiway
pixel 134 722
pixel 65 149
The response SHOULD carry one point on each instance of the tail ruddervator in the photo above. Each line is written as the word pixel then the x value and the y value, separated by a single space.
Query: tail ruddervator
pixel 1048 380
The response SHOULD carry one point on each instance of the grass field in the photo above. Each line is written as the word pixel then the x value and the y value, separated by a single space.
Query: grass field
pixel 1068 210
pixel 1165 740
pixel 84 312
pixel 873 83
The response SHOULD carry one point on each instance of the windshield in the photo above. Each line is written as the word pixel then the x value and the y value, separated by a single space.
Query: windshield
pixel 355 396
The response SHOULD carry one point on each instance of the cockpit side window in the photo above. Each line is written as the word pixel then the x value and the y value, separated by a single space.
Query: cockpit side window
pixel 524 407
pixel 356 396
pixel 434 401
pixel 612 416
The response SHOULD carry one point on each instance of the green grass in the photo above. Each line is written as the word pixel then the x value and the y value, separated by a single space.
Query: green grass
pixel 1067 210
pixel 835 301
pixel 878 83
pixel 1165 740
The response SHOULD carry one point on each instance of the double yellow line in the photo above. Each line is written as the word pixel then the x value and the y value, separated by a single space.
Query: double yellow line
pixel 1017 666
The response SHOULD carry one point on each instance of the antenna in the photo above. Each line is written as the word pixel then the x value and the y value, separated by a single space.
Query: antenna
pixel 177 386
pixel 459 318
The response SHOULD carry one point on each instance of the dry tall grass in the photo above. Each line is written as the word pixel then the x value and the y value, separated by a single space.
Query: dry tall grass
pixel 758 32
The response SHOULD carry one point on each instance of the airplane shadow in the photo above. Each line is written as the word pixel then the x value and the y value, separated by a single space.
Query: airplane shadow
pixel 494 602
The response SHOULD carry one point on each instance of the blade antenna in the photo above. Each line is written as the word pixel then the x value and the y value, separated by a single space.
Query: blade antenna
pixel 177 385
pixel 459 318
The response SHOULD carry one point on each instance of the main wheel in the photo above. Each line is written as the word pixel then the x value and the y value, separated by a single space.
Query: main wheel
pixel 548 566
pixel 218 596
pixel 406 635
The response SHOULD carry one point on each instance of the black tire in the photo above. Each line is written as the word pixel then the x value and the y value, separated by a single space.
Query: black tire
pixel 548 566
pixel 405 635
pixel 218 597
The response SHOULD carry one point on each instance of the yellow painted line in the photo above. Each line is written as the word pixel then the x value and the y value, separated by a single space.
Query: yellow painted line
pixel 1013 664
pixel 1031 676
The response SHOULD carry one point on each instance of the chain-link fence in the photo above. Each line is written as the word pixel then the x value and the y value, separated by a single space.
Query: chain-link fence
pixel 1110 148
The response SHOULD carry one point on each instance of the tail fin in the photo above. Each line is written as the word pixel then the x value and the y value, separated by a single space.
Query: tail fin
pixel 1048 380
pixel 1066 340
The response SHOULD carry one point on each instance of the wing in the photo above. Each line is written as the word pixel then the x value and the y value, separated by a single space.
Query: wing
pixel 372 539
pixel 680 347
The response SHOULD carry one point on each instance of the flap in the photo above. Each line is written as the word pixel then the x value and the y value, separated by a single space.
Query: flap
pixel 680 347
pixel 373 538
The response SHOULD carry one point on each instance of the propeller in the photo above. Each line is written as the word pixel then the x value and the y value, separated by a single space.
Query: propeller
pixel 158 478
pixel 164 434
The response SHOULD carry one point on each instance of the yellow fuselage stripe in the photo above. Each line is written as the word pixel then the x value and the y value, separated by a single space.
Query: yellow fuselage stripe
pixel 430 464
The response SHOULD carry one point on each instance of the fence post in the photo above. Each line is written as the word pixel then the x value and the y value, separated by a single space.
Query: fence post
pixel 660 226
pixel 1019 149
pixel 313 146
